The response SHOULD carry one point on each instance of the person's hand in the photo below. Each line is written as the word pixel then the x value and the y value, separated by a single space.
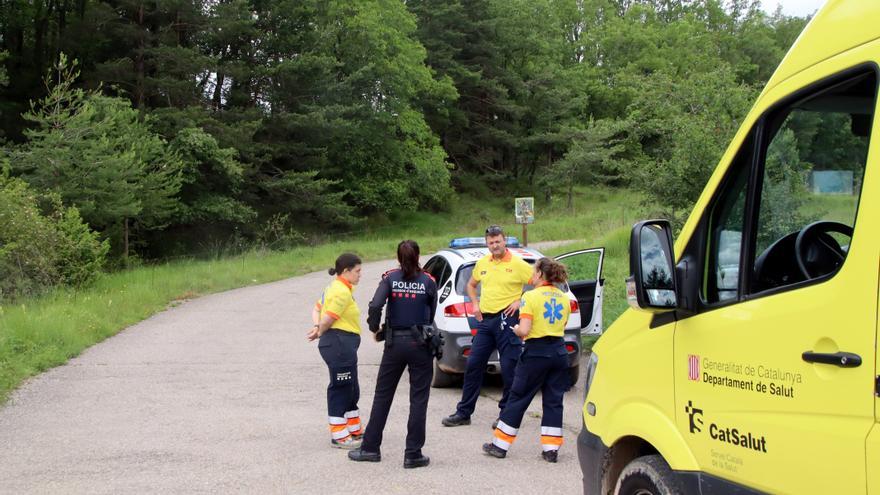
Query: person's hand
pixel 312 334
pixel 513 308
pixel 477 314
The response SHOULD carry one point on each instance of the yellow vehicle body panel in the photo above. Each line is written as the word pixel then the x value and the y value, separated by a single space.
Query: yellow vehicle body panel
pixel 808 428
pixel 641 406
pixel 839 26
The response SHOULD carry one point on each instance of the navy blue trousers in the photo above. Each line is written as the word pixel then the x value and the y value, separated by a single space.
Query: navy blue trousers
pixel 405 352
pixel 492 333
pixel 543 366
pixel 339 350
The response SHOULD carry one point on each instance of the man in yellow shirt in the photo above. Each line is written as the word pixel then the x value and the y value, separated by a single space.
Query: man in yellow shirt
pixel 501 276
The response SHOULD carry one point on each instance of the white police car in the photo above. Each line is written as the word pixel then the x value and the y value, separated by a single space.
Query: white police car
pixel 452 268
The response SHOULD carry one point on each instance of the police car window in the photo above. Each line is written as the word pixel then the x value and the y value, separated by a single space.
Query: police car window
pixel 447 272
pixel 461 280
pixel 435 267
pixel 811 180
pixel 430 264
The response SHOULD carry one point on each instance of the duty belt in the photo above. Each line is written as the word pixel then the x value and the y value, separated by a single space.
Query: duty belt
pixel 544 340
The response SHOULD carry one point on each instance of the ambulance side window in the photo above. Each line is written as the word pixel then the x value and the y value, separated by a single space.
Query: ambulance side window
pixel 787 208
pixel 726 227
pixel 815 155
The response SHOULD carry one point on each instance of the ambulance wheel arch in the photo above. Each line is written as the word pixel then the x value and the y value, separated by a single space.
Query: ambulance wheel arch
pixel 658 437
pixel 648 475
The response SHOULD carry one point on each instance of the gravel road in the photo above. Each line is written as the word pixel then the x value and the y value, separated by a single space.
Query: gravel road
pixel 223 394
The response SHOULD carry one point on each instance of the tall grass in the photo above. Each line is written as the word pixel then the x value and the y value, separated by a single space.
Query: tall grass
pixel 39 333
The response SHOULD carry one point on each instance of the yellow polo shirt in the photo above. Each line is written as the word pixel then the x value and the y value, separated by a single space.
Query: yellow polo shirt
pixel 338 302
pixel 501 281
pixel 548 308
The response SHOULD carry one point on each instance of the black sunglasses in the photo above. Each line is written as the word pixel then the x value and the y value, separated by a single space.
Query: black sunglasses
pixel 494 230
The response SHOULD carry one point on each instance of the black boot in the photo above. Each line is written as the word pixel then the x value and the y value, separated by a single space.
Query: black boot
pixel 456 420
pixel 494 450
pixel 416 462
pixel 360 455
pixel 548 455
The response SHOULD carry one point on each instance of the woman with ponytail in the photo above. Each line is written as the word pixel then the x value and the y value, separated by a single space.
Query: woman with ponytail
pixel 409 296
pixel 338 330
pixel 543 366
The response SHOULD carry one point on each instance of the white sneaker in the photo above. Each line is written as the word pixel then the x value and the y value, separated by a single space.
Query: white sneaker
pixel 347 443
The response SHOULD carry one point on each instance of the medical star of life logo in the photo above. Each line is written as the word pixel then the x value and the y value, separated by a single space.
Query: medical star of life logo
pixel 693 367
pixel 553 311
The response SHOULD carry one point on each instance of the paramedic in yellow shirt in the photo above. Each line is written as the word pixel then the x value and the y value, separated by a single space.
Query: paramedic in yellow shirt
pixel 338 330
pixel 543 365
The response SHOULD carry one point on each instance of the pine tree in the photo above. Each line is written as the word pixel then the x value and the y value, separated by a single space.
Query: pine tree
pixel 97 154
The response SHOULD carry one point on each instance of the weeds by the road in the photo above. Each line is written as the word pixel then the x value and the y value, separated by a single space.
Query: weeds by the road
pixel 40 333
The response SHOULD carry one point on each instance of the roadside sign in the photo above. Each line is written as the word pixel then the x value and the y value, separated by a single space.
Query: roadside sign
pixel 524 210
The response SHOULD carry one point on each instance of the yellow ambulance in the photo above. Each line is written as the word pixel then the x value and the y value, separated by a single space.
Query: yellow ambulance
pixel 749 362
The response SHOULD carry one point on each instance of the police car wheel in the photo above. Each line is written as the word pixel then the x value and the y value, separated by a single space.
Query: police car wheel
pixel 443 379
pixel 647 475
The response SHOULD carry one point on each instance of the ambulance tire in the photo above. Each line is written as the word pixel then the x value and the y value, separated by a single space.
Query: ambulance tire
pixel 647 475
pixel 574 373
pixel 443 379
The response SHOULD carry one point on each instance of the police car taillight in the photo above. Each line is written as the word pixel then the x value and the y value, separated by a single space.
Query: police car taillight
pixel 574 306
pixel 459 310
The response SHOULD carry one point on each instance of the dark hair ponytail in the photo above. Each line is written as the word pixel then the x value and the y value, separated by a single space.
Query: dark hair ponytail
pixel 552 270
pixel 408 256
pixel 345 261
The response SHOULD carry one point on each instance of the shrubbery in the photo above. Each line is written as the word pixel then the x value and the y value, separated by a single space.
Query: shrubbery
pixel 42 243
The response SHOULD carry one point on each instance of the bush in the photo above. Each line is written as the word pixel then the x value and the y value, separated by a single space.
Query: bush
pixel 39 251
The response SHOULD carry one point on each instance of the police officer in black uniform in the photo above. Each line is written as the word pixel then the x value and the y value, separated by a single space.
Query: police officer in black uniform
pixel 411 297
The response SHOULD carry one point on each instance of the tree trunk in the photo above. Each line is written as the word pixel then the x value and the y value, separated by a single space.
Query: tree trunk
pixel 217 99
pixel 139 92
pixel 41 22
pixel 125 241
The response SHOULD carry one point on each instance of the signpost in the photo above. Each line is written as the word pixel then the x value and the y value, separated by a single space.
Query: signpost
pixel 524 211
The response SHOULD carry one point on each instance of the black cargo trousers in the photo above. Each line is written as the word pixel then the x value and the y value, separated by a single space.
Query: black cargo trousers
pixel 406 350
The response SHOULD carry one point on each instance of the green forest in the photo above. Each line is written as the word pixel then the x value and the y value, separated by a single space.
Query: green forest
pixel 135 130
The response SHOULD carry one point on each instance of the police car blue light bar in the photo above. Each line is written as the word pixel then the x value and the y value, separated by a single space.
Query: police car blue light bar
pixel 465 242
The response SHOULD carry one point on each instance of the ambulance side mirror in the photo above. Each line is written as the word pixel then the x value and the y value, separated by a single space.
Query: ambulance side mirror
pixel 651 284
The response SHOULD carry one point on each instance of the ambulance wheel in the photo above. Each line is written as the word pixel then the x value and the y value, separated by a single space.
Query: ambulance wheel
pixel 442 379
pixel 574 373
pixel 647 475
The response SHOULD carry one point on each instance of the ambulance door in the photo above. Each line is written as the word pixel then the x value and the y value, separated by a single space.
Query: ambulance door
pixel 873 444
pixel 585 282
pixel 774 368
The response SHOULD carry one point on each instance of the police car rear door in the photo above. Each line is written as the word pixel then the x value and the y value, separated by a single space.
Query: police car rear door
pixel 586 283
